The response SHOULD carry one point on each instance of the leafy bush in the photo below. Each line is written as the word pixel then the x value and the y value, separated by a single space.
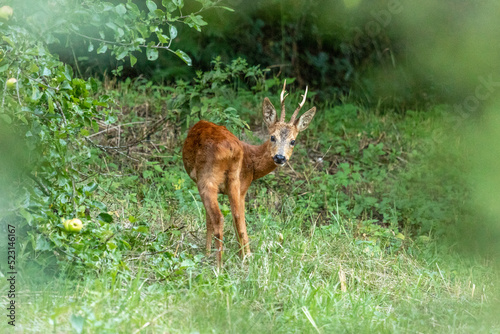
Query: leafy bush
pixel 55 112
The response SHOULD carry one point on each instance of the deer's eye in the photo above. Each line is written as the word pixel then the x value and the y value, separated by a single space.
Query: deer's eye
pixel 273 139
pixel 292 142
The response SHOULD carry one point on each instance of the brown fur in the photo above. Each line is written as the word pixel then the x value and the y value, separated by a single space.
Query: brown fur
pixel 220 163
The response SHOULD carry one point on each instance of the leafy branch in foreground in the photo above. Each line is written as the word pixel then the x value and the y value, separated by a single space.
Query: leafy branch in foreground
pixel 122 29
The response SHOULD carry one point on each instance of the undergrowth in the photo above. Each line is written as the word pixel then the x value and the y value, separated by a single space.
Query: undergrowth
pixel 347 238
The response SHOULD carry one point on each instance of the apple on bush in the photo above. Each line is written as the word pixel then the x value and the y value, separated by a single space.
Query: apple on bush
pixel 11 83
pixel 73 225
pixel 6 13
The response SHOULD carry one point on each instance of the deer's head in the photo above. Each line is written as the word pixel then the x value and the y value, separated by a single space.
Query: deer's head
pixel 282 135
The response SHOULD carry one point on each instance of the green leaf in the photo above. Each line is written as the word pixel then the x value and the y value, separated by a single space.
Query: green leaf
pixel 111 245
pixel 143 30
pixel 77 322
pixel 187 263
pixel 173 32
pixel 133 8
pixel 26 215
pixel 184 56
pixel 105 217
pixel 33 68
pixel 159 13
pixel 112 26
pixel 8 40
pixel 195 21
pixel 65 85
pixel 152 54
pixel 99 205
pixel 35 94
pixel 133 60
pixel 46 72
pixel 90 188
pixel 102 49
pixel 3 68
pixel 162 38
pixel 22 119
pixel 95 126
pixel 122 55
pixel 151 5
pixel 42 244
pixel 178 3
pixel 94 85
pixel 198 20
pixel 107 6
pixel 91 47
pixel 120 9
pixel 400 236
pixel 126 244
pixel 141 229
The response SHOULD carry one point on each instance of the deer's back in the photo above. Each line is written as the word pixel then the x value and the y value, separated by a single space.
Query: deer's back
pixel 210 148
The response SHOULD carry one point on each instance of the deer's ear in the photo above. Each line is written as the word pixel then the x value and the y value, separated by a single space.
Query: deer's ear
pixel 269 112
pixel 303 122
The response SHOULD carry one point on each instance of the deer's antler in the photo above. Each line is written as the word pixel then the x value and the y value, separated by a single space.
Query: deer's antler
pixel 301 104
pixel 282 100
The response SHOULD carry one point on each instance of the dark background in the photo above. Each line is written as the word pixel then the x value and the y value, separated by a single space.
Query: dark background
pixel 395 53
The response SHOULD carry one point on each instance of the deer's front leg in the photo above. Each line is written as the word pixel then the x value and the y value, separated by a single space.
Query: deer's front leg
pixel 237 201
pixel 242 231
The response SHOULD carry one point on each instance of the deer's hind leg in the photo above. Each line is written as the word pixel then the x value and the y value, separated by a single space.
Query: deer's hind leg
pixel 215 220
pixel 210 232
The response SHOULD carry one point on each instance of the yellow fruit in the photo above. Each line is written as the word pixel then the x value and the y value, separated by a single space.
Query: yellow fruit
pixel 73 225
pixel 6 13
pixel 11 83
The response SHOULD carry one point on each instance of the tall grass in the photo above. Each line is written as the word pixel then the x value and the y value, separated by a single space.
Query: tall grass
pixel 292 284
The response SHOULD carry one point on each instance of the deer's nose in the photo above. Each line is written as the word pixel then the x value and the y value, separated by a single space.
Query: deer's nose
pixel 279 159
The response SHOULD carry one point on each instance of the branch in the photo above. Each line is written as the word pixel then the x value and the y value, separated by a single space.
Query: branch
pixel 154 128
pixel 158 46
pixel 115 127
pixel 39 184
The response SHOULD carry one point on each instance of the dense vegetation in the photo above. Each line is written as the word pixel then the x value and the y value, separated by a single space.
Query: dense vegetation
pixel 362 232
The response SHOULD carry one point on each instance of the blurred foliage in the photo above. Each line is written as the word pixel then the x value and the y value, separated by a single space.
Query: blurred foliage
pixel 479 228
pixel 396 53
pixel 400 53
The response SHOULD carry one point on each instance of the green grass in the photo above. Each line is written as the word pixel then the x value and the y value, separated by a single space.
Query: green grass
pixel 356 238
pixel 293 286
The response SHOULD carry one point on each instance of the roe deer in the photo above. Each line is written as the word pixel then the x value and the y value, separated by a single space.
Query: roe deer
pixel 220 163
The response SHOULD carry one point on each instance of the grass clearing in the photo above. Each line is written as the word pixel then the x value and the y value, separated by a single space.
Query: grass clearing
pixel 293 286
pixel 351 239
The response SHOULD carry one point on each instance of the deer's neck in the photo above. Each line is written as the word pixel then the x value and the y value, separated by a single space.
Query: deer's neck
pixel 258 159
